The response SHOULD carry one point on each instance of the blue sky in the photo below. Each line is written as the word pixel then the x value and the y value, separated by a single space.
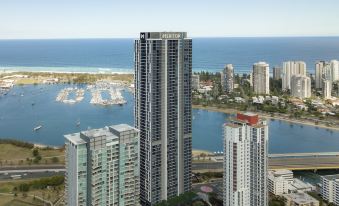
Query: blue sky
pixel 21 19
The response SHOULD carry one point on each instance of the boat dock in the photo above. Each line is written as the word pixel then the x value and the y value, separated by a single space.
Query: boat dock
pixel 63 95
pixel 114 90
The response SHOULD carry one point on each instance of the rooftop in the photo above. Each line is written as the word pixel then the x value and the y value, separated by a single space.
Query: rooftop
pixel 251 114
pixel 122 127
pixel 332 177
pixel 232 125
pixel 93 133
pixel 300 198
pixel 281 172
pixel 75 138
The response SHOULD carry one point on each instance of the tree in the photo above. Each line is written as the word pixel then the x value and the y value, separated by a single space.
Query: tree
pixel 24 187
pixel 55 159
pixel 35 152
pixel 37 159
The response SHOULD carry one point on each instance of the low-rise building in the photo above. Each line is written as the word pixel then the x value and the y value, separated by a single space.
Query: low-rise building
pixel 279 181
pixel 330 188
pixel 300 186
pixel 300 199
pixel 239 100
pixel 50 81
pixel 275 100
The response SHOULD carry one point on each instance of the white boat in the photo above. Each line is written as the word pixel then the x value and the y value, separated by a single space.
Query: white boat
pixel 78 123
pixel 37 128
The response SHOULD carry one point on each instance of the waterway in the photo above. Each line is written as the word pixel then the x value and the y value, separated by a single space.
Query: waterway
pixel 26 107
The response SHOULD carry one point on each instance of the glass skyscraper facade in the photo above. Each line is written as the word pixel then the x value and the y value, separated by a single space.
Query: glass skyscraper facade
pixel 163 69
pixel 102 167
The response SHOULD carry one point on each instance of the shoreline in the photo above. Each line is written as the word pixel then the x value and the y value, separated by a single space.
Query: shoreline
pixel 68 70
pixel 267 116
pixel 65 72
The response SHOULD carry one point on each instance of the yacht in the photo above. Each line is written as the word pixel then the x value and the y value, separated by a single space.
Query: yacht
pixel 37 128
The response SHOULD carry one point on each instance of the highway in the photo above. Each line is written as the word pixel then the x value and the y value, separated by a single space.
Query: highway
pixel 308 163
pixel 292 163
pixel 314 154
pixel 26 172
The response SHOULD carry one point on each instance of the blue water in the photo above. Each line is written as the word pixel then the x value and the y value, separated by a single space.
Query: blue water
pixel 284 137
pixel 18 118
pixel 91 55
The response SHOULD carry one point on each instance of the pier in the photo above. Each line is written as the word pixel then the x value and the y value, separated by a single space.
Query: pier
pixel 64 94
pixel 114 90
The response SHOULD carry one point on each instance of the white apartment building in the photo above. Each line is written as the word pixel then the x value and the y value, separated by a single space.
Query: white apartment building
pixel 261 78
pixel 227 78
pixel 279 181
pixel 245 161
pixel 330 188
pixel 277 71
pixel 335 70
pixel 327 89
pixel 300 199
pixel 319 74
pixel 301 86
pixel 102 167
pixel 195 81
pixel 291 68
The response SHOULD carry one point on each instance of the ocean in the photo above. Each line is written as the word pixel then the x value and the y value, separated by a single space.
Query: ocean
pixel 116 55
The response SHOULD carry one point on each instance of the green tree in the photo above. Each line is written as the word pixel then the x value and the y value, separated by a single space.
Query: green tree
pixel 55 159
pixel 35 152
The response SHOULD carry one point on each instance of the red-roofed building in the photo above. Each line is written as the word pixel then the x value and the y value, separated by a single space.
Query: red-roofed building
pixel 251 118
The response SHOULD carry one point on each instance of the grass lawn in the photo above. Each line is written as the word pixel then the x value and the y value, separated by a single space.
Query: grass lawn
pixel 19 201
pixel 50 194
pixel 38 77
pixel 27 81
pixel 14 155
pixel 5 200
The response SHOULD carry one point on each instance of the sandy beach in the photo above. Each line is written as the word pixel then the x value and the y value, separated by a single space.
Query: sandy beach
pixel 197 152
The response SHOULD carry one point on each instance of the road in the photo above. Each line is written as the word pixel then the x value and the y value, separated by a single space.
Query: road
pixel 297 163
pixel 292 163
pixel 31 172
pixel 308 163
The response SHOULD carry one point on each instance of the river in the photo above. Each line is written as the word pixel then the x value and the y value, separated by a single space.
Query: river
pixel 25 107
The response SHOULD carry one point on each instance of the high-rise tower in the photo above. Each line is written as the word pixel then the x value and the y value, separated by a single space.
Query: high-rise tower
pixel 163 69
pixel 301 86
pixel 102 167
pixel 261 78
pixel 227 78
pixel 245 161
pixel 290 69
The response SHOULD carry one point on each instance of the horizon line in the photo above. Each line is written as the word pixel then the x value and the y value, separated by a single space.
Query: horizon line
pixel 198 37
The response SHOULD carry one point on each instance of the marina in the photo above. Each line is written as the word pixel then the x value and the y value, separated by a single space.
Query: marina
pixel 113 89
pixel 64 94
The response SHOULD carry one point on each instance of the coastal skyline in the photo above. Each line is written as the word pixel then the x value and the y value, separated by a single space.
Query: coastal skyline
pixel 106 19
pixel 168 103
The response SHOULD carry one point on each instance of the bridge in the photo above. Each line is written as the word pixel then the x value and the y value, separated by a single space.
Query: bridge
pixel 291 161
pixel 304 155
